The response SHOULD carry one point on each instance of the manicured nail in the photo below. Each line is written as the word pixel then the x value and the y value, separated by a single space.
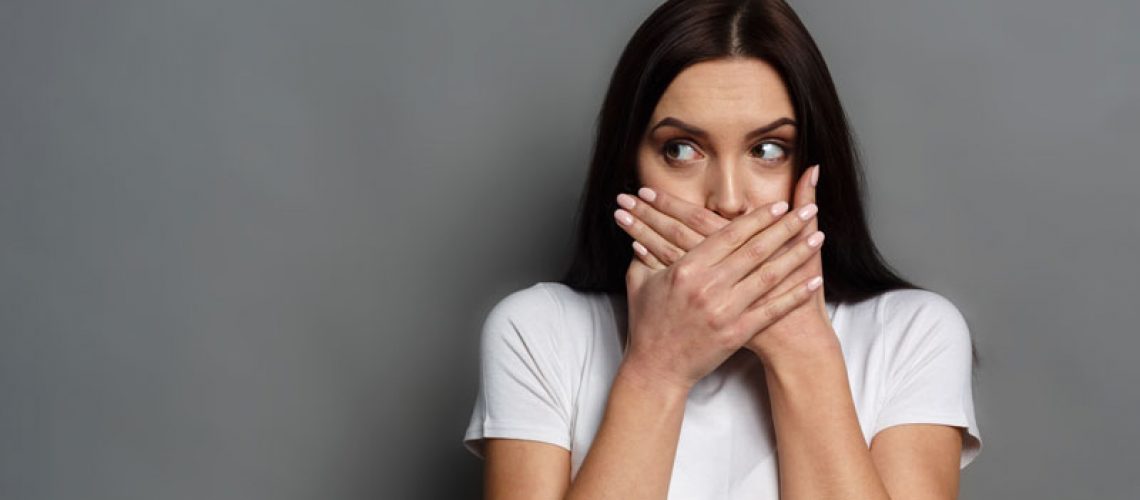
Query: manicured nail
pixel 815 176
pixel 640 249
pixel 779 208
pixel 807 211
pixel 623 217
pixel 815 239
pixel 626 201
pixel 647 194
pixel 814 283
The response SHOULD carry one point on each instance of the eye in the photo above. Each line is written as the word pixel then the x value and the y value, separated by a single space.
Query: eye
pixel 679 151
pixel 771 151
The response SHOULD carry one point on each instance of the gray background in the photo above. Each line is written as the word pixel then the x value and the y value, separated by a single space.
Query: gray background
pixel 246 246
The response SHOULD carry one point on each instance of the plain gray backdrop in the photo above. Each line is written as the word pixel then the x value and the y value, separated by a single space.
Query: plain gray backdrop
pixel 246 247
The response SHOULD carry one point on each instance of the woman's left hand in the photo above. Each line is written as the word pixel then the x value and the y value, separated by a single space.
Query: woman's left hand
pixel 666 227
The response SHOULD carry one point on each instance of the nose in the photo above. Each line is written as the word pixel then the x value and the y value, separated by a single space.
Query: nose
pixel 727 191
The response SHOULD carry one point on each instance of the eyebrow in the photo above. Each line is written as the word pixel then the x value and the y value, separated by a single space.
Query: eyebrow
pixel 669 121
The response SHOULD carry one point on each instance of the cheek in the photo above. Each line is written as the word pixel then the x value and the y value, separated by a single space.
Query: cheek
pixel 769 188
pixel 689 188
pixel 657 174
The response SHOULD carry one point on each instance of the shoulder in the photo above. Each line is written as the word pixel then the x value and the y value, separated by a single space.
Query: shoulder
pixel 545 300
pixel 918 305
pixel 922 317
pixel 543 312
pixel 534 300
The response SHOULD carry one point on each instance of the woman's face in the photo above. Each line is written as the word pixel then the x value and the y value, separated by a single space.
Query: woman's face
pixel 722 137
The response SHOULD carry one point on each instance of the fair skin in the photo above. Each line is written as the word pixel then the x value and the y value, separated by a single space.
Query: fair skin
pixel 716 271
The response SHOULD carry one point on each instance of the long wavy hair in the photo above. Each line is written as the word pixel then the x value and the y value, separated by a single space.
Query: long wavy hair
pixel 678 34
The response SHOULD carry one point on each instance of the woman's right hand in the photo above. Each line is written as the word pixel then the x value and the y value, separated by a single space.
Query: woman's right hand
pixel 686 319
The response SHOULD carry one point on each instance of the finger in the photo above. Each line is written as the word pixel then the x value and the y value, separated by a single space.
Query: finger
pixel 791 243
pixel 804 194
pixel 666 252
pixel 724 242
pixel 696 217
pixel 774 272
pixel 759 249
pixel 808 189
pixel 801 272
pixel 762 315
pixel 646 257
pixel 665 226
pixel 808 230
pixel 804 191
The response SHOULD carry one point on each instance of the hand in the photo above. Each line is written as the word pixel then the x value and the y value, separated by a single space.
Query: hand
pixel 665 227
pixel 686 319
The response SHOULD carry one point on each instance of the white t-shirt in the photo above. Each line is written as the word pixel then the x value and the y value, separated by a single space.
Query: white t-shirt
pixel 549 354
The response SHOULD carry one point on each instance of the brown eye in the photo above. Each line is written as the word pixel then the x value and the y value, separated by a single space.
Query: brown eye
pixel 770 151
pixel 679 151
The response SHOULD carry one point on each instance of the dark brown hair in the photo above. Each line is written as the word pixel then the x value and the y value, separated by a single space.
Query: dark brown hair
pixel 681 33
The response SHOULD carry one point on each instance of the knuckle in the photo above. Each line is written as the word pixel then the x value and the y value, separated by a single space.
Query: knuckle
pixel 721 319
pixel 699 298
pixel 682 274
pixel 792 224
pixel 733 235
pixel 703 221
pixel 759 250
pixel 768 275
pixel 676 233
pixel 768 311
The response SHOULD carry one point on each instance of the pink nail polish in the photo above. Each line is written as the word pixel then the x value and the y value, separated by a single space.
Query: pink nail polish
pixel 815 239
pixel 814 283
pixel 808 210
pixel 623 217
pixel 647 194
pixel 640 249
pixel 626 201
pixel 779 208
pixel 815 176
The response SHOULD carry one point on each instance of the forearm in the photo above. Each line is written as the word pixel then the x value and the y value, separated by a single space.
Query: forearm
pixel 821 449
pixel 632 455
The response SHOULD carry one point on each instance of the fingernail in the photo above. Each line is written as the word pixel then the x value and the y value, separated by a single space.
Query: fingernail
pixel 647 194
pixel 640 249
pixel 807 211
pixel 626 201
pixel 815 239
pixel 815 282
pixel 815 176
pixel 623 217
pixel 780 208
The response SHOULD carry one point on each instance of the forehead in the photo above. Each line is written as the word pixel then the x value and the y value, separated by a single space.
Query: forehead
pixel 723 92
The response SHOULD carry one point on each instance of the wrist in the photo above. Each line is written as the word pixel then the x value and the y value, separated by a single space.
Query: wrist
pixel 803 350
pixel 645 379
pixel 806 384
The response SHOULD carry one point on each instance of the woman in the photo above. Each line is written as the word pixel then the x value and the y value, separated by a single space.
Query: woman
pixel 692 332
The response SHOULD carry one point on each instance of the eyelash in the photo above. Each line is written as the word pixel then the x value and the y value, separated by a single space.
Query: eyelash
pixel 665 147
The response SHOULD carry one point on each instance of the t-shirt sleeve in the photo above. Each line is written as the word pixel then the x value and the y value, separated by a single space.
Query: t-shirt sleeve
pixel 523 388
pixel 929 367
